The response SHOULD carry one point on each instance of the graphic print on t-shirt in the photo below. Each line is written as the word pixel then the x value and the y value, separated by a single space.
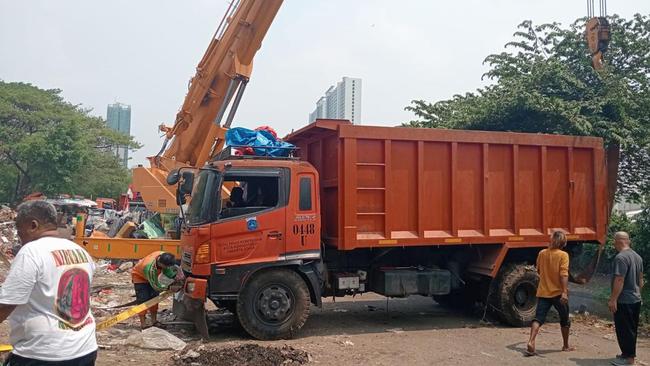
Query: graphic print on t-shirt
pixel 72 298
pixel 69 257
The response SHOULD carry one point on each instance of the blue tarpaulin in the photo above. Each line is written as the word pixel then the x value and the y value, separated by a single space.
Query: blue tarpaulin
pixel 267 144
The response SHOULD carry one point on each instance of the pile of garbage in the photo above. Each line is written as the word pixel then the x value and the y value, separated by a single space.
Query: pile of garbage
pixel 111 287
pixel 242 355
pixel 8 234
pixel 128 224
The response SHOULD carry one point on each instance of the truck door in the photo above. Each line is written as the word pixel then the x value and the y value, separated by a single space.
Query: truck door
pixel 303 219
pixel 252 216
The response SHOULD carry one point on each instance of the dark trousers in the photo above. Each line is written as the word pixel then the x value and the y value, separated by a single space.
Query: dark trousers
pixel 544 305
pixel 87 360
pixel 626 320
pixel 143 293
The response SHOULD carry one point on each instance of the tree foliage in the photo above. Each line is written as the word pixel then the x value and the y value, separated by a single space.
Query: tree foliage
pixel 52 146
pixel 544 83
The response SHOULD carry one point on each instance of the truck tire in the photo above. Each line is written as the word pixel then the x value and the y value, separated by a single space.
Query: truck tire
pixel 515 294
pixel 274 304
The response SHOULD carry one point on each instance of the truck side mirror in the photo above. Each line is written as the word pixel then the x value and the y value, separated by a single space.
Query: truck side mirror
pixel 185 186
pixel 173 177
pixel 180 198
pixel 187 182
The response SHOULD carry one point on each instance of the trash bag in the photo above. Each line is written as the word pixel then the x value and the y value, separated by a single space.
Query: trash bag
pixel 262 142
pixel 151 227
pixel 155 338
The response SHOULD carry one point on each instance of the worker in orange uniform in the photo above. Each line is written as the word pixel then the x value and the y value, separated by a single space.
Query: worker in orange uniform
pixel 553 289
pixel 151 275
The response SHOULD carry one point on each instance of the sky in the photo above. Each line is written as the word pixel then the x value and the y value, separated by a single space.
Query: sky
pixel 144 52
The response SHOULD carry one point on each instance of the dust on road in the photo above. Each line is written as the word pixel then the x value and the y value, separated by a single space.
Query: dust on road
pixel 416 331
pixel 361 331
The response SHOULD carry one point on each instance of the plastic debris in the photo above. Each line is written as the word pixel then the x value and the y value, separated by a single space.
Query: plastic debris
pixel 156 338
pixel 262 142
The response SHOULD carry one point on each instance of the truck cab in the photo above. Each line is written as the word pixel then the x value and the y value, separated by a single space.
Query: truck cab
pixel 253 233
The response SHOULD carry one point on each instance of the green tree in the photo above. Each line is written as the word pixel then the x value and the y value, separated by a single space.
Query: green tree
pixel 641 236
pixel 52 146
pixel 544 83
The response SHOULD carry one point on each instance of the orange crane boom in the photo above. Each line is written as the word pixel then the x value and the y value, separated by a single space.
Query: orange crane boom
pixel 216 89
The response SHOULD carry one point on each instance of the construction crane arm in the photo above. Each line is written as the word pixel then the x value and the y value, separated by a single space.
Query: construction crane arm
pixel 216 89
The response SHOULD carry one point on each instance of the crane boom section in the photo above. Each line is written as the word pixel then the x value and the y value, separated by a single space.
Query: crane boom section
pixel 217 86
pixel 226 60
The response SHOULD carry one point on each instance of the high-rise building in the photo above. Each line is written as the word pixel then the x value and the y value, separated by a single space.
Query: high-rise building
pixel 118 118
pixel 320 111
pixel 342 101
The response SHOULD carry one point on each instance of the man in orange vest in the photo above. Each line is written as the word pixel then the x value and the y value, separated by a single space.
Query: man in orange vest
pixel 151 275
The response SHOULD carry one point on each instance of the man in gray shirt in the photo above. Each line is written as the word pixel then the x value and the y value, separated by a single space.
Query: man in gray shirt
pixel 625 301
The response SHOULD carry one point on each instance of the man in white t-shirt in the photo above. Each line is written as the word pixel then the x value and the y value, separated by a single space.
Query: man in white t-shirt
pixel 46 295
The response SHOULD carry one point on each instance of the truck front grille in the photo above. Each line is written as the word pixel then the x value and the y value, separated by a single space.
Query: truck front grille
pixel 186 261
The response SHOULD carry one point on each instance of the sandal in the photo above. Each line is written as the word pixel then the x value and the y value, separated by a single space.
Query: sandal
pixel 530 352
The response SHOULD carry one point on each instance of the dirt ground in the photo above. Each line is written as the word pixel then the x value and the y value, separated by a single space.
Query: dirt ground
pixel 416 331
pixel 369 330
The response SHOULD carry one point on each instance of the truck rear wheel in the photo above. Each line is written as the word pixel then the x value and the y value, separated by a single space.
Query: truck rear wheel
pixel 274 304
pixel 515 294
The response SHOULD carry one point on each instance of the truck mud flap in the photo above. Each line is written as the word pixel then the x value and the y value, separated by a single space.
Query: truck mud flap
pixel 187 308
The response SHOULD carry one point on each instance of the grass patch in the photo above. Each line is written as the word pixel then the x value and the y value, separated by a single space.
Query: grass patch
pixel 602 293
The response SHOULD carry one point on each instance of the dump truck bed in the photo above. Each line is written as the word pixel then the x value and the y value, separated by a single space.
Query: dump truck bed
pixel 395 186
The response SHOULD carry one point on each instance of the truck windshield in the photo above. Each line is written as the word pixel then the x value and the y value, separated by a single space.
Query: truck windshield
pixel 202 207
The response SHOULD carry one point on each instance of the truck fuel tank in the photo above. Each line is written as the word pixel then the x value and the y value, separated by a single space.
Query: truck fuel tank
pixel 398 282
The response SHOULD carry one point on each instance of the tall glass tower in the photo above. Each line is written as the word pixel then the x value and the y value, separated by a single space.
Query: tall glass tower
pixel 118 118
pixel 342 101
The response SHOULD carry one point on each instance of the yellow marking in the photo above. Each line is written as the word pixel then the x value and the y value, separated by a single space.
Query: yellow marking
pixel 453 240
pixel 117 318
pixel 388 241
pixel 132 311
pixel 516 238
pixel 572 237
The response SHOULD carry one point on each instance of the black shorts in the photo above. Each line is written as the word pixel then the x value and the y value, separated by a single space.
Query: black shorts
pixel 144 292
pixel 87 360
pixel 544 305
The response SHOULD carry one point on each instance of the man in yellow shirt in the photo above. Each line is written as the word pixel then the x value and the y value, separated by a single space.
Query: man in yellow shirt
pixel 553 289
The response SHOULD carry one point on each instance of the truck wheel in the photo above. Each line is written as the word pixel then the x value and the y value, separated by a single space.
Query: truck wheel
pixel 516 290
pixel 274 304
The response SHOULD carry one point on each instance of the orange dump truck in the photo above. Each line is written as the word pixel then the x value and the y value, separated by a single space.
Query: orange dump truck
pixel 456 215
